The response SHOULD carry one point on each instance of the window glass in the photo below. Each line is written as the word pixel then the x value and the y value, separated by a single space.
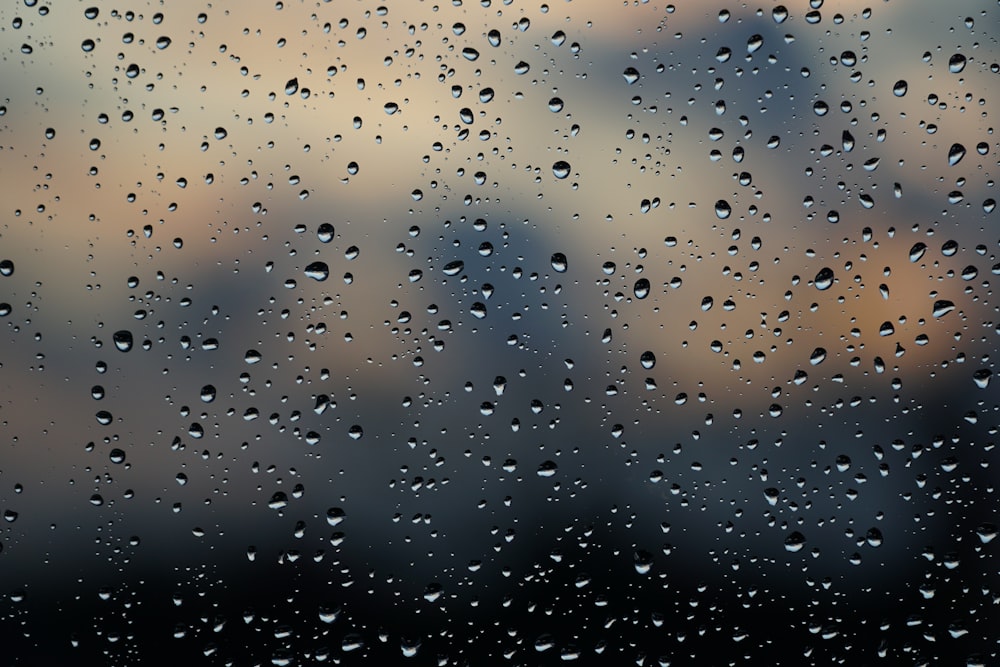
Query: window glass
pixel 498 332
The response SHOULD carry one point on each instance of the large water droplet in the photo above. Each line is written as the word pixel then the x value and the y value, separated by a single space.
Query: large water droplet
pixel 123 340
pixel 722 209
pixel 795 541
pixel 559 263
pixel 641 288
pixel 900 88
pixel 917 251
pixel 325 232
pixel 561 169
pixel 547 469
pixel 318 271
pixel 956 63
pixel 824 279
pixel 982 377
pixel 942 307
pixel 955 154
pixel 453 268
pixel 631 75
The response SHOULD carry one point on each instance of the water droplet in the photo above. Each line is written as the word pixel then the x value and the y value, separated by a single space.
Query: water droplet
pixel 278 501
pixel 795 541
pixel 722 209
pixel 355 432
pixel 641 288
pixel 824 279
pixel 561 169
pixel 559 263
pixel 942 307
pixel 547 469
pixel 390 108
pixel 956 63
pixel 453 268
pixel 631 75
pixel 352 642
pixel 899 88
pixel 982 377
pixel 555 105
pixel 325 232
pixel 648 360
pixel 779 14
pixel 208 393
pixel 318 271
pixel 955 154
pixel 123 340
pixel 335 516
pixel 162 42
pixel 470 53
pixel 291 87
pixel 478 310
pixel 6 268
pixel 987 532
pixel 643 561
pixel 917 251
pixel 874 537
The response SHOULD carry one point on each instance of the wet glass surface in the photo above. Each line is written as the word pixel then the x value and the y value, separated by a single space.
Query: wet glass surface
pixel 498 333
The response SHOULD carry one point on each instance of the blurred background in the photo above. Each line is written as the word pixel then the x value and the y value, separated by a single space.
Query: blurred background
pixel 498 332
